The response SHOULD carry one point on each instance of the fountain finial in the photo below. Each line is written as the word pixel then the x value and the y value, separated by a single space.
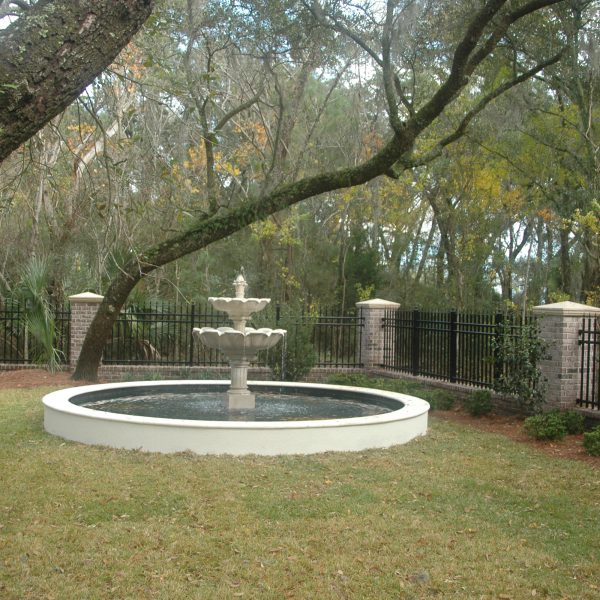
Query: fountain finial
pixel 240 286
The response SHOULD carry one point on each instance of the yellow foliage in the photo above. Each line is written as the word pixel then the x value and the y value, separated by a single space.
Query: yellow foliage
pixel 589 220
pixel 256 133
pixel 289 279
pixel 546 215
pixel 197 157
pixel 364 293
pixel 264 229
pixel 224 166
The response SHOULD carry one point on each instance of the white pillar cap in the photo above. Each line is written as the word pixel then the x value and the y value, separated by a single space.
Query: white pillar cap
pixel 87 297
pixel 566 309
pixel 377 303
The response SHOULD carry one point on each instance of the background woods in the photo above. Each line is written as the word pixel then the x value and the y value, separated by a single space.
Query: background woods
pixel 471 128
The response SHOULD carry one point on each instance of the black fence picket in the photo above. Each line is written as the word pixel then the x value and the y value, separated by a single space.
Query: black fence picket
pixel 589 364
pixel 335 337
pixel 13 338
pixel 161 334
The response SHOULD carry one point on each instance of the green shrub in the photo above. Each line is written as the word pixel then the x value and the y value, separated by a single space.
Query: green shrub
pixel 353 379
pixel 295 356
pixel 547 426
pixel 517 358
pixel 439 399
pixel 479 403
pixel 574 421
pixel 591 441
pixel 554 425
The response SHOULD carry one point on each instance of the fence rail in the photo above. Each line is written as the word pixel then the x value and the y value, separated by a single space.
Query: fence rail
pixel 451 346
pixel 589 383
pixel 18 344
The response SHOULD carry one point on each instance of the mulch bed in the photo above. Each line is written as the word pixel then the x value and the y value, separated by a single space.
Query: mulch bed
pixel 571 447
pixel 29 378
pixel 511 427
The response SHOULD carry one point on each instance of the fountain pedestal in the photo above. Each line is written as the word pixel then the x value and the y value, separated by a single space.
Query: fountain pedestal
pixel 238 395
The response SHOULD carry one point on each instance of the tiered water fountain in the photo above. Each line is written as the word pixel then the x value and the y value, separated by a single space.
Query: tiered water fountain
pixel 239 343
pixel 237 417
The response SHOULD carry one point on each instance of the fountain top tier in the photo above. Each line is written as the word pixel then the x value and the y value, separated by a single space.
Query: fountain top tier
pixel 239 308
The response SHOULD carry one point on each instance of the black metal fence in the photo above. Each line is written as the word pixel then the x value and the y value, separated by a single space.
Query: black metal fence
pixel 451 346
pixel 18 344
pixel 589 356
pixel 335 337
pixel 161 334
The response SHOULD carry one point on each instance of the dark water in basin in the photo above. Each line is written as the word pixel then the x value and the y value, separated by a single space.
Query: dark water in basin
pixel 210 404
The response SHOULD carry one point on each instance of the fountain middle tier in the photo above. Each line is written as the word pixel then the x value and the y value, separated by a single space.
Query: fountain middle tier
pixel 239 310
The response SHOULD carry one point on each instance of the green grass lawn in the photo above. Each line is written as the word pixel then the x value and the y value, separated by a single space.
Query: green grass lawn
pixel 457 514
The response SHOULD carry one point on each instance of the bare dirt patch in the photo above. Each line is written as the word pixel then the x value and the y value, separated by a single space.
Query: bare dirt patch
pixel 512 427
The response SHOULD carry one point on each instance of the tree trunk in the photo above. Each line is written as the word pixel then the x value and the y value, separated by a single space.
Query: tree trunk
pixel 101 326
pixel 52 52
pixel 565 262
pixel 591 268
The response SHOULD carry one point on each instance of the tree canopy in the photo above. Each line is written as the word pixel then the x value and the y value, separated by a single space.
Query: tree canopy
pixel 406 125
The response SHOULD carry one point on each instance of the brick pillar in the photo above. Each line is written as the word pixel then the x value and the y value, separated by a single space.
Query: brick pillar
pixel 559 327
pixel 83 310
pixel 371 338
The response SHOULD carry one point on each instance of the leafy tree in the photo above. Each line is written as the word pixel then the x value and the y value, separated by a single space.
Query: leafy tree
pixel 428 62
pixel 411 113
pixel 517 356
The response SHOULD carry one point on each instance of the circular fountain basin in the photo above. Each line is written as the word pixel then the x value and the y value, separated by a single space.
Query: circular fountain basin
pixel 318 418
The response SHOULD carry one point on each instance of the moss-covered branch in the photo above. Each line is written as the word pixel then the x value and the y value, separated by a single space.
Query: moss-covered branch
pixel 52 52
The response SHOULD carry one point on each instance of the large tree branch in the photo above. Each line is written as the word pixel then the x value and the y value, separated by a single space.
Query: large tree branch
pixel 459 131
pixel 214 228
pixel 459 72
pixel 52 52
pixel 502 27
pixel 469 53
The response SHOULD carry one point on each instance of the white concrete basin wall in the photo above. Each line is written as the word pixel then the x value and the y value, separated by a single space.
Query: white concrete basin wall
pixel 80 424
